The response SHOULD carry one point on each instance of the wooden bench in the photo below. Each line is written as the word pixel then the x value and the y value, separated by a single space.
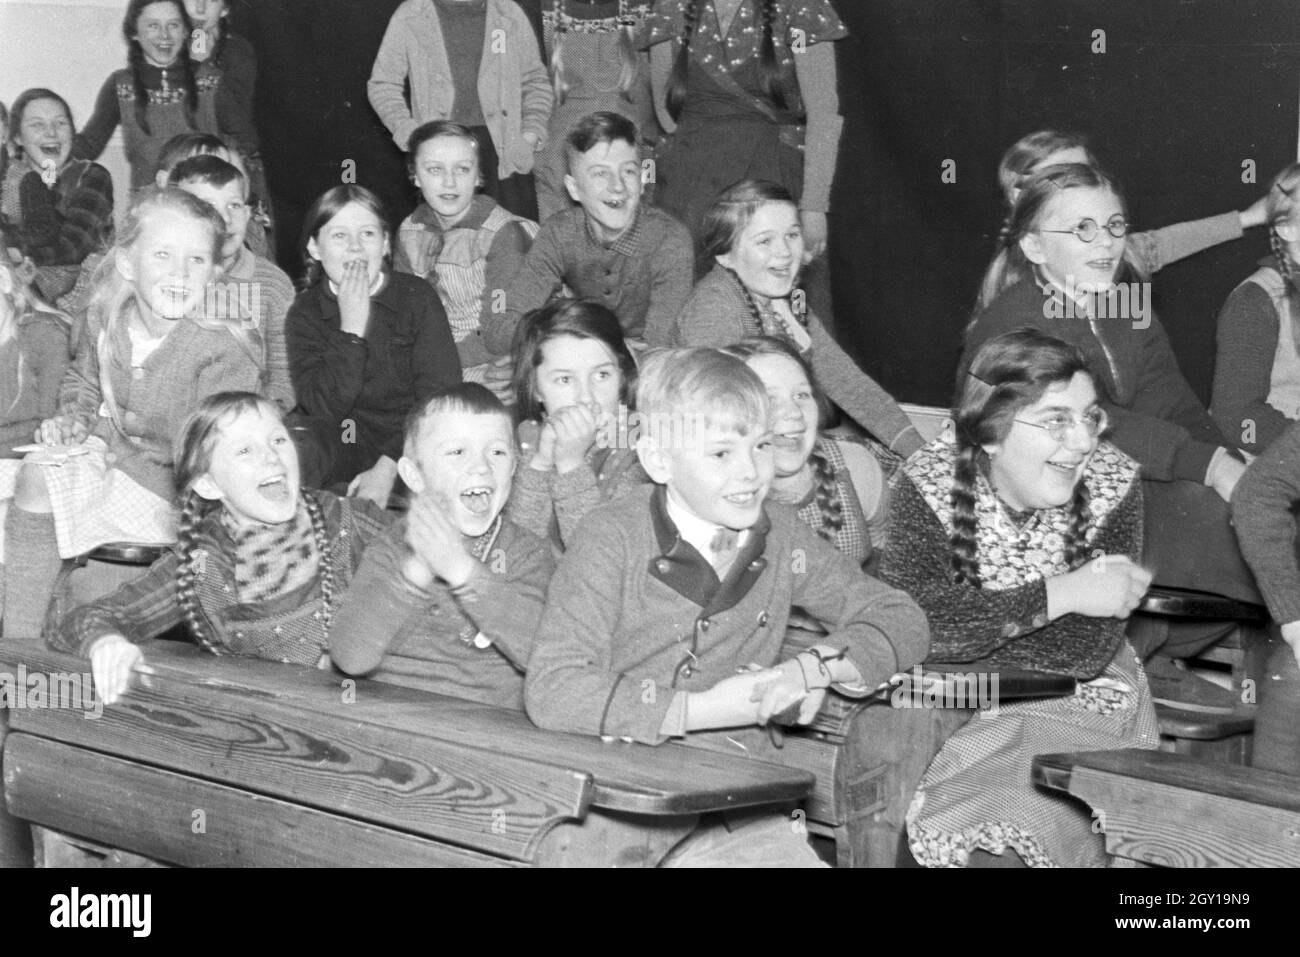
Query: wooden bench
pixel 1167 809
pixel 228 761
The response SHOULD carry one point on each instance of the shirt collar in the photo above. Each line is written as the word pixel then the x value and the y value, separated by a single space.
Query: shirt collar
pixel 375 286
pixel 627 244
pixel 694 530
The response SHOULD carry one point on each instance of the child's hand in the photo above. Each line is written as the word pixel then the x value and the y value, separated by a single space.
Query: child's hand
pixel 788 690
pixel 436 541
pixel 815 233
pixel 112 660
pixel 354 299
pixel 731 703
pixel 1256 214
pixel 1109 586
pixel 535 141
pixel 61 430
pixel 500 378
pixel 375 484
pixel 49 172
pixel 544 458
pixel 575 433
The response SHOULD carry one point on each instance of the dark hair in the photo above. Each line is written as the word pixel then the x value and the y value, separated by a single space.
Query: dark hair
pixel 430 131
pixel 581 319
pixel 826 490
pixel 769 68
pixel 1008 373
pixel 325 208
pixel 135 58
pixel 25 98
pixel 602 126
pixel 1010 265
pixel 470 397
pixel 193 458
pixel 184 145
pixel 205 168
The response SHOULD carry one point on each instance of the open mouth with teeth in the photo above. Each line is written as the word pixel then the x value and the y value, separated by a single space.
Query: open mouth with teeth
pixel 275 488
pixel 52 150
pixel 743 499
pixel 1066 469
pixel 788 441
pixel 478 500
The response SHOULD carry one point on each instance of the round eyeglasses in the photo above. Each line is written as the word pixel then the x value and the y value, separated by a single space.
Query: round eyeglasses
pixel 1087 229
pixel 1060 424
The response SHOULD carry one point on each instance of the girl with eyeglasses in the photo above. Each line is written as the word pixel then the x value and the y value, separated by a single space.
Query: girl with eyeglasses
pixel 1257 366
pixel 1020 536
pixel 1091 294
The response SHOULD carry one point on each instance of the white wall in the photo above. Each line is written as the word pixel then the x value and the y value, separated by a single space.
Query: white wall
pixel 70 47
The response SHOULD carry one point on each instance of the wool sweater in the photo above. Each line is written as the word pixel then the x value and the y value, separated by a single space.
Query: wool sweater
pixel 62 225
pixel 630 599
pixel 550 504
pixel 1001 623
pixel 149 606
pixel 1160 247
pixel 40 344
pixel 643 277
pixel 269 289
pixel 151 401
pixel 165 115
pixel 389 630
pixel 1257 366
pixel 471 265
pixel 1263 512
pixel 1154 415
pixel 514 92
pixel 717 314
pixel 407 354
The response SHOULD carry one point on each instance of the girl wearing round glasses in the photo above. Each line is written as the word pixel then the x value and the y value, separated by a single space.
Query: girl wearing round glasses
pixel 1019 535
pixel 1092 295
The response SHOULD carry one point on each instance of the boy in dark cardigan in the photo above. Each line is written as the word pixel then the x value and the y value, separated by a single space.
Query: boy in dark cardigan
pixel 667 615
pixel 448 600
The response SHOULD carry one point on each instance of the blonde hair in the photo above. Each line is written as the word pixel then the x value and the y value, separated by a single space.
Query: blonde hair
pixel 1281 204
pixel 702 382
pixel 115 297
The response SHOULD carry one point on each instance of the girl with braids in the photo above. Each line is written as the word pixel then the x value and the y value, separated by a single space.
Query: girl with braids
pixel 259 565
pixel 754 239
pixel 150 354
pixel 1065 268
pixel 595 66
pixel 160 94
pixel 748 89
pixel 1257 368
pixel 1019 537
pixel 1152 250
pixel 837 484
pixel 55 210
pixel 574 383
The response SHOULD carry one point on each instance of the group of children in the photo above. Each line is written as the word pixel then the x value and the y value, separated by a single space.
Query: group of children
pixel 581 467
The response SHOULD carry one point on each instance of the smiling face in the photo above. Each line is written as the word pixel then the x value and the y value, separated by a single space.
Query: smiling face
pixel 721 476
pixel 45 133
pixel 794 411
pixel 577 371
pixel 353 234
pixel 1031 469
pixel 769 251
pixel 1065 260
pixel 230 202
pixel 170 264
pixel 468 459
pixel 446 170
pixel 160 31
pixel 606 182
pixel 254 469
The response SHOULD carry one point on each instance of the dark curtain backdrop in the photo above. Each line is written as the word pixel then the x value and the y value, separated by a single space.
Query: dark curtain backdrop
pixel 1186 90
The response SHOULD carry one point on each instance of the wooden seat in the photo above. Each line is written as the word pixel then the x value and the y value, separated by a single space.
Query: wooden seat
pixel 1175 811
pixel 79 581
pixel 230 761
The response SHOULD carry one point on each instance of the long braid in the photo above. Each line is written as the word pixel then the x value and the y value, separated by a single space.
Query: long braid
pixel 192 511
pixel 676 96
pixel 135 59
pixel 770 70
pixel 326 568
pixel 191 87
pixel 965 564
pixel 827 496
pixel 1076 540
pixel 754 311
pixel 1279 253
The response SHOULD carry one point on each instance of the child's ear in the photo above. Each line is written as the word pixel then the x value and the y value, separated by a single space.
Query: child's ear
pixel 313 249
pixel 123 263
pixel 727 260
pixel 1287 231
pixel 656 464
pixel 206 488
pixel 410 474
pixel 1032 247
pixel 571 185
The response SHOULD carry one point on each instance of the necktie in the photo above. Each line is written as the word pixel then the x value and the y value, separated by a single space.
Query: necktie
pixel 723 550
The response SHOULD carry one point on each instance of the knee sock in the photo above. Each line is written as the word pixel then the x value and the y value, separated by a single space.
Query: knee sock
pixel 31 565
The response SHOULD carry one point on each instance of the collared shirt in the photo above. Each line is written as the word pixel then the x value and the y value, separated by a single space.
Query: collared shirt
pixel 695 531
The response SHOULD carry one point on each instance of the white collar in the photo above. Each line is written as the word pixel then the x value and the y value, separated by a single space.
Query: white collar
pixel 374 286
pixel 694 530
